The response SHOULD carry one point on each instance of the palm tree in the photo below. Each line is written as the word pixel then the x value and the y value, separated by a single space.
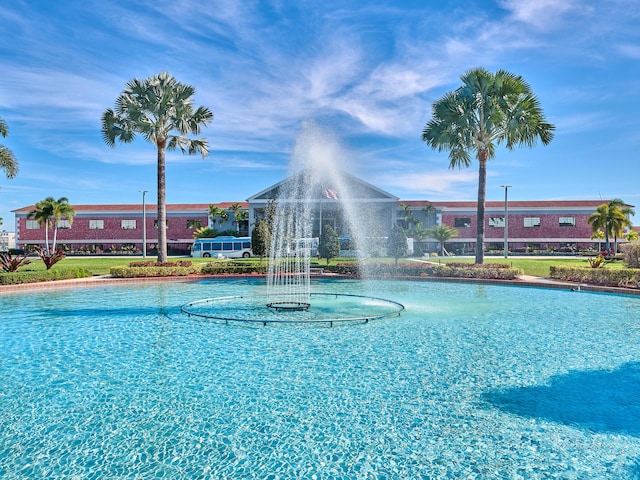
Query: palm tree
pixel 160 109
pixel 418 232
pixel 486 111
pixel 429 210
pixel 611 218
pixel 599 236
pixel 443 233
pixel 215 212
pixel 408 215
pixel 8 161
pixel 238 214
pixel 49 212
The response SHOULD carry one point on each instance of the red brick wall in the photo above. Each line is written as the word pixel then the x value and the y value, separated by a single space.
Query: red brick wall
pixel 112 233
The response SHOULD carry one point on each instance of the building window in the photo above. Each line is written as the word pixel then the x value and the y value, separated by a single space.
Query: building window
pixel 128 224
pixel 155 223
pixel 496 222
pixel 194 224
pixel 32 225
pixel 567 221
pixel 64 224
pixel 462 222
pixel 96 225
pixel 531 221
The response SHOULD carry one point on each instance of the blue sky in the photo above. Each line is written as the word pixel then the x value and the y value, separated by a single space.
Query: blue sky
pixel 364 72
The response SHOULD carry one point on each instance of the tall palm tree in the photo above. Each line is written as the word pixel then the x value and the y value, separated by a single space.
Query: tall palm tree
pixel 8 161
pixel 611 218
pixel 49 212
pixel 215 212
pixel 443 233
pixel 160 109
pixel 486 111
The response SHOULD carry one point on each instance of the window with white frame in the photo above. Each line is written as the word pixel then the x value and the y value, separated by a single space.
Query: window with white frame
pixel 531 221
pixel 128 224
pixel 32 225
pixel 64 224
pixel 96 225
pixel 567 221
pixel 496 222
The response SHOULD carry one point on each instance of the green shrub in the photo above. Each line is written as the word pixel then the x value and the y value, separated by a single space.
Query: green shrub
pixel 153 263
pixel 221 268
pixel 631 254
pixel 43 276
pixel 626 277
pixel 134 272
pixel 462 270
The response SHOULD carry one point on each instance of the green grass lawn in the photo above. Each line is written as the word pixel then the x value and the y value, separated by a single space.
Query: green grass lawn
pixel 530 266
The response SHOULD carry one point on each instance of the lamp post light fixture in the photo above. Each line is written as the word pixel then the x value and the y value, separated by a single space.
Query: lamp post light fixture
pixel 506 220
pixel 144 224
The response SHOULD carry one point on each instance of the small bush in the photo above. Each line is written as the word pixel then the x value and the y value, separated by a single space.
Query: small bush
pixel 631 254
pixel 11 263
pixel 48 275
pixel 49 259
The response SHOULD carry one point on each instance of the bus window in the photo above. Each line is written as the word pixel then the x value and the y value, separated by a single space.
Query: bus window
pixel 217 246
pixel 246 244
pixel 197 247
pixel 227 246
pixel 206 246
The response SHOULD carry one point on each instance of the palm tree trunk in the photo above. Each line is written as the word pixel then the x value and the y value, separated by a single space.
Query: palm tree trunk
pixel 482 194
pixel 162 209
pixel 46 236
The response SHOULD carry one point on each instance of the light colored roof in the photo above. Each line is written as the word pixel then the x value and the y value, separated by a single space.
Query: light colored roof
pixel 512 203
pixel 151 207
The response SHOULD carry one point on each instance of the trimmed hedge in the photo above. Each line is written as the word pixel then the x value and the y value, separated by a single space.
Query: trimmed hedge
pixel 133 272
pixel 456 270
pixel 220 268
pixel 43 276
pixel 153 263
pixel 628 277
pixel 150 269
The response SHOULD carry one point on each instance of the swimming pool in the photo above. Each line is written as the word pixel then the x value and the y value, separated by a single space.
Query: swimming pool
pixel 471 381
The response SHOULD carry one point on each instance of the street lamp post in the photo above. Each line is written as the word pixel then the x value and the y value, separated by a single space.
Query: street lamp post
pixel 144 224
pixel 506 220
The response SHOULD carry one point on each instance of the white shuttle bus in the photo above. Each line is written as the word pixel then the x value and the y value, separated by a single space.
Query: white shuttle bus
pixel 227 247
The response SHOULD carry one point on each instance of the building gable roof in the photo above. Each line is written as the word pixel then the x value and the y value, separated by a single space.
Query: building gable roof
pixel 347 186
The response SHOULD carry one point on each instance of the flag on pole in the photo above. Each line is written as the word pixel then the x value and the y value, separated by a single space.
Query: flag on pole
pixel 330 193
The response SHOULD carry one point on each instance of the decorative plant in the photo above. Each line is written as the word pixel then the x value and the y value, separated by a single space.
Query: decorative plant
pixel 9 263
pixel 49 259
pixel 596 262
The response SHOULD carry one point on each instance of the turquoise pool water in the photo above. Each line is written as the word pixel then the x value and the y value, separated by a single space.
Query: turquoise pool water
pixel 471 381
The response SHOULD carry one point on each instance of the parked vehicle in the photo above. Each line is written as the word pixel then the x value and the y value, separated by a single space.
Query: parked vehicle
pixel 222 247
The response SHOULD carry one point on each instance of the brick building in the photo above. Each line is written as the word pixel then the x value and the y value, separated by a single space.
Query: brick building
pixel 119 228
pixel 533 226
